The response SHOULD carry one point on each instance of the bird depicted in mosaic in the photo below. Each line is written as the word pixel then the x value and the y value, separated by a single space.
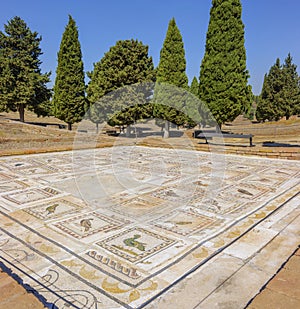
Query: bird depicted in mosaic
pixel 51 209
pixel 86 224
pixel 243 191
pixel 132 242
pixel 174 223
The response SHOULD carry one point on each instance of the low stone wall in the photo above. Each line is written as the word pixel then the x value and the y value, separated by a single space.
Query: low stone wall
pixel 276 152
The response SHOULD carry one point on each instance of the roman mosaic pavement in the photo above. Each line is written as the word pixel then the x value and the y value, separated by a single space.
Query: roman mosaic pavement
pixel 116 227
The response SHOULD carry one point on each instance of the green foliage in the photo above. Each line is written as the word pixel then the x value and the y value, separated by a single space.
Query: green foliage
pixel 69 103
pixel 172 63
pixel 223 75
pixel 22 85
pixel 268 103
pixel 291 89
pixel 194 88
pixel 126 63
pixel 169 103
pixel 280 94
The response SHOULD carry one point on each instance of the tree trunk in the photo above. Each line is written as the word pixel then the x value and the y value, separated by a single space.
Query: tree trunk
pixel 21 112
pixel 128 131
pixel 97 127
pixel 167 129
pixel 70 126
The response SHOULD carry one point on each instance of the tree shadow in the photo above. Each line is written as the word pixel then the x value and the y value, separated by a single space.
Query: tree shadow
pixel 141 133
pixel 276 144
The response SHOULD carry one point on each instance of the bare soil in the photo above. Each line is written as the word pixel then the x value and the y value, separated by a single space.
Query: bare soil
pixel 32 137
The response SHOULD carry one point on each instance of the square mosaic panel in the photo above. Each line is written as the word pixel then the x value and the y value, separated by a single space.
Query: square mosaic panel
pixel 54 209
pixel 244 191
pixel 16 164
pixel 231 198
pixel 58 160
pixel 137 206
pixel 37 170
pixel 89 224
pixel 12 185
pixel 266 181
pixel 286 172
pixel 184 222
pixel 233 175
pixel 171 193
pixel 30 195
pixel 135 244
pixel 244 167
pixel 217 205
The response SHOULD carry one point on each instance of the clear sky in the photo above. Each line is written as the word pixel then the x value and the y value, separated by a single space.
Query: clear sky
pixel 272 28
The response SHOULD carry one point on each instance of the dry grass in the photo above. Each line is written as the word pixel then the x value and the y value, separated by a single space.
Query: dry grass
pixel 19 138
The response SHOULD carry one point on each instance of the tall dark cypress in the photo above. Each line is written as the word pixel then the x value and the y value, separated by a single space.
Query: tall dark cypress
pixel 194 88
pixel 69 89
pixel 171 70
pixel 223 75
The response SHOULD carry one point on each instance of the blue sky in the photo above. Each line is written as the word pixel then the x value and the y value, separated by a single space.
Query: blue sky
pixel 272 28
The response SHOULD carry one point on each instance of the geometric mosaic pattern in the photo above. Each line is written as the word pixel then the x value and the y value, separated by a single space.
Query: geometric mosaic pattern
pixel 30 195
pixel 89 224
pixel 135 244
pixel 184 222
pixel 164 213
pixel 54 209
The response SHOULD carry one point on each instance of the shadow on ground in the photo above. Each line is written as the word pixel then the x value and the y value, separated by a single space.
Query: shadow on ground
pixel 275 144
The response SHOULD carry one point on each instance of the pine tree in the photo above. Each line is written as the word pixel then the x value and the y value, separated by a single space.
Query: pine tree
pixel 271 96
pixel 22 85
pixel 280 94
pixel 223 74
pixel 169 104
pixel 69 101
pixel 118 89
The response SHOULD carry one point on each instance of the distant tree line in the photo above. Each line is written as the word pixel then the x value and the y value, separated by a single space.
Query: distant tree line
pixel 220 94
pixel 280 95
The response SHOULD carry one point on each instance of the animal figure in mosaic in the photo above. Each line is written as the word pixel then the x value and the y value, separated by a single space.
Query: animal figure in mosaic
pixel 183 222
pixel 132 242
pixel 243 191
pixel 51 209
pixel 86 224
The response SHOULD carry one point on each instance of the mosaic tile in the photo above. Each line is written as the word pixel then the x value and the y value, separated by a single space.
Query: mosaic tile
pixel 135 244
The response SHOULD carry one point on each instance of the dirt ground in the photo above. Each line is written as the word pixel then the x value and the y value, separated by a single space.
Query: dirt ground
pixel 29 137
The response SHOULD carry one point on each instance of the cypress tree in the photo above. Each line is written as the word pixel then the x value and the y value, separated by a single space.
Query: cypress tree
pixel 291 90
pixel 22 85
pixel 194 88
pixel 171 70
pixel 69 90
pixel 223 74
pixel 125 64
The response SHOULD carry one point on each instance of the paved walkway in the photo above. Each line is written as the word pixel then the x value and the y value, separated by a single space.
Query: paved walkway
pixel 135 227
pixel 283 291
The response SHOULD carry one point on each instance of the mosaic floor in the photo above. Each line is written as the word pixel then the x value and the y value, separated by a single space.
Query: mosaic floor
pixel 116 227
